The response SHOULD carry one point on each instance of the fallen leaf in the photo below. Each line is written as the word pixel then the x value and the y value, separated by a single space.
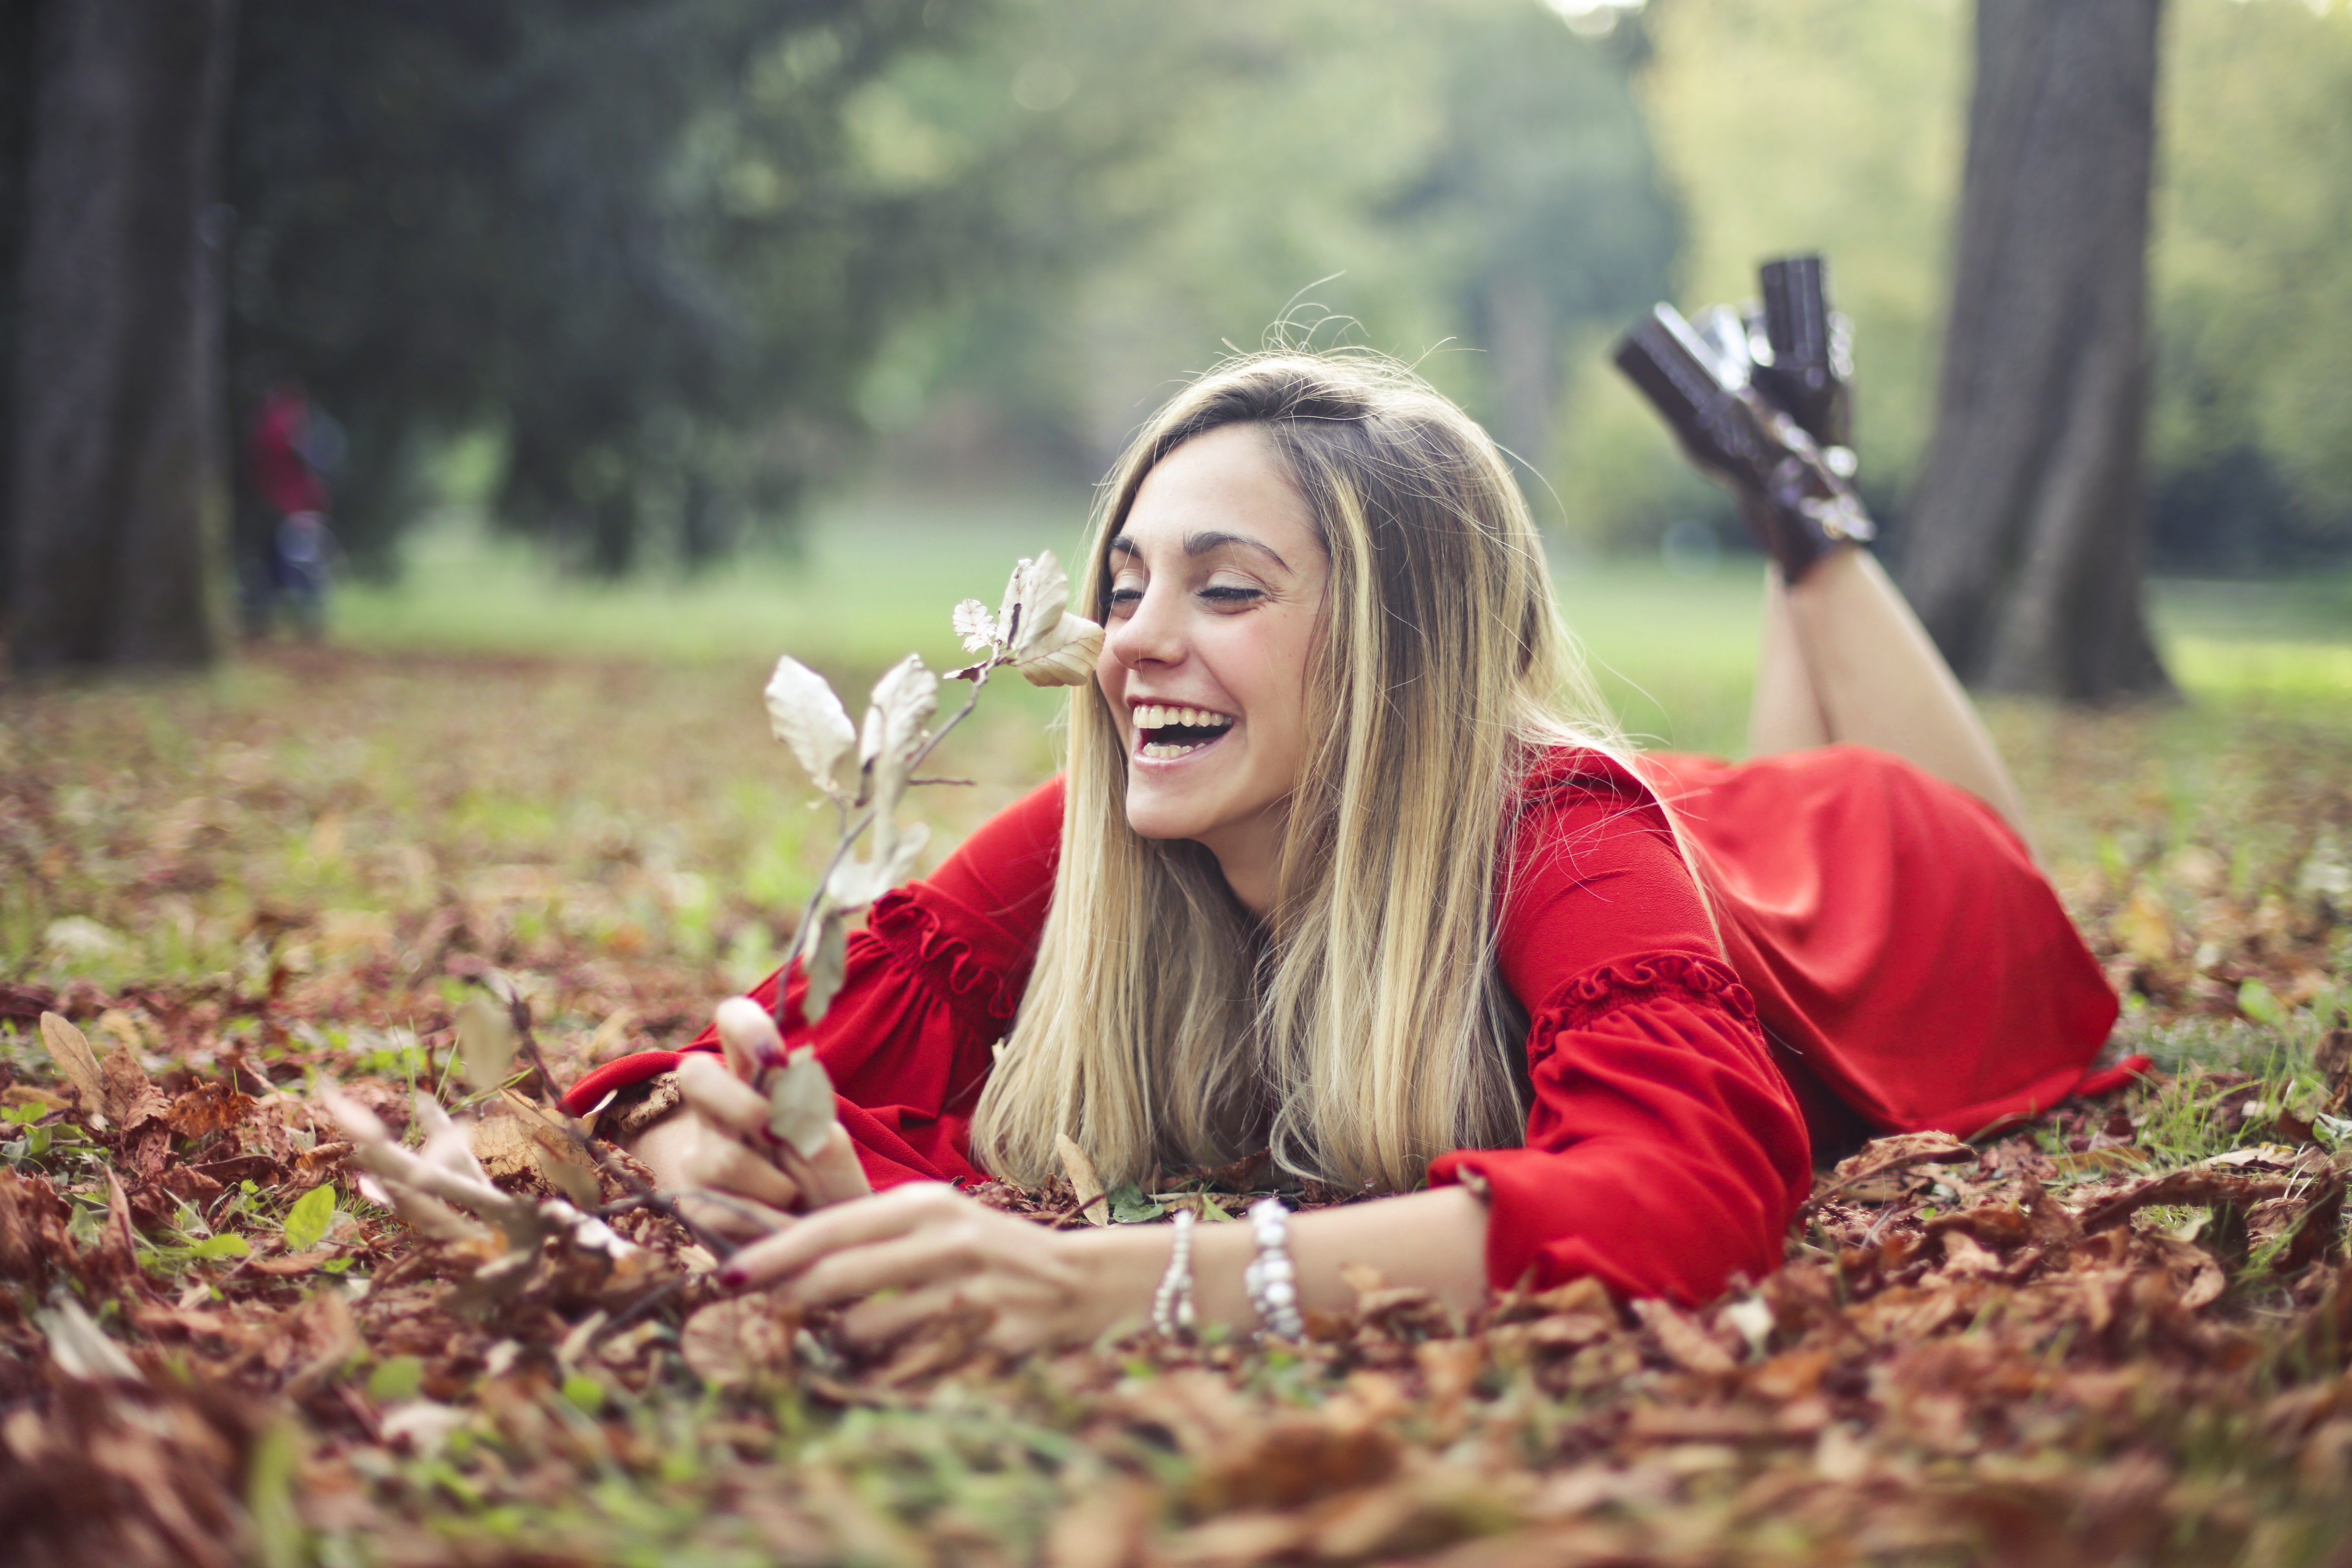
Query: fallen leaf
pixel 743 1341
pixel 70 1050
pixel 486 1039
pixel 1093 1201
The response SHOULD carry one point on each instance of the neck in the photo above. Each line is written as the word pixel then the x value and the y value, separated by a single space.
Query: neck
pixel 1250 855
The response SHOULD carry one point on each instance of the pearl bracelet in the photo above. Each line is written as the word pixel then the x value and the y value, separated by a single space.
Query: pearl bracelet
pixel 1172 1304
pixel 1272 1282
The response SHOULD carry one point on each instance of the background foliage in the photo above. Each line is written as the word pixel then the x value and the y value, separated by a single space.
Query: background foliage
pixel 675 269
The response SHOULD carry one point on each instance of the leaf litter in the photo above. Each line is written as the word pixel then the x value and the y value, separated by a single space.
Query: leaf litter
pixel 2117 1334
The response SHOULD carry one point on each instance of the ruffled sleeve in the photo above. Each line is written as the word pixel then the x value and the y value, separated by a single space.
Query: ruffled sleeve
pixel 929 985
pixel 1664 1151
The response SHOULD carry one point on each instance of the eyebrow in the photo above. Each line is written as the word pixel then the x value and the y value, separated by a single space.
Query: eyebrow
pixel 1203 542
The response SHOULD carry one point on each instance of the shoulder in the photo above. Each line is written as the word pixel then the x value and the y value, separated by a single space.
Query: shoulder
pixel 1571 798
pixel 1595 878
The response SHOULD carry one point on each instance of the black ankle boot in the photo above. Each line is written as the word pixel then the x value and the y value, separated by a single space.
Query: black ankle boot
pixel 1798 507
pixel 1811 365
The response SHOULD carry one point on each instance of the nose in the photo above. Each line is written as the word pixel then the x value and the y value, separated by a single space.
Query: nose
pixel 1152 633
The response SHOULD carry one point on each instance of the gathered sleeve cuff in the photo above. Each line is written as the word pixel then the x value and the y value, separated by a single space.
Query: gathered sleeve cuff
pixel 1664 1152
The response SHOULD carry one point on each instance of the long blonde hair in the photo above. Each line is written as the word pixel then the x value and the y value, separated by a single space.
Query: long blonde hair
pixel 1364 1028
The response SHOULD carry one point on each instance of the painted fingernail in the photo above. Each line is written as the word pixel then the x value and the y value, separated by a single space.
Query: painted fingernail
pixel 733 1279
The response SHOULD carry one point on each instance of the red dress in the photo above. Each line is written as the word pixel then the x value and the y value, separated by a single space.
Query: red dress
pixel 1894 962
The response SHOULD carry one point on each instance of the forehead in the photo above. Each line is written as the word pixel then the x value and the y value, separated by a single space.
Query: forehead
pixel 1227 482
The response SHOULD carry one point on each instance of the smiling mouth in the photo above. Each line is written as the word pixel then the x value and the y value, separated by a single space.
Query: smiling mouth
pixel 1164 733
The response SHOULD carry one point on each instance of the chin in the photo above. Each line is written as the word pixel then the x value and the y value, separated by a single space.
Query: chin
pixel 1165 819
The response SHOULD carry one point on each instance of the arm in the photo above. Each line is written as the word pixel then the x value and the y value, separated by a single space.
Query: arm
pixel 943 1251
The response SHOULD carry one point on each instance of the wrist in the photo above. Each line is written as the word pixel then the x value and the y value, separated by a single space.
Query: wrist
pixel 1112 1273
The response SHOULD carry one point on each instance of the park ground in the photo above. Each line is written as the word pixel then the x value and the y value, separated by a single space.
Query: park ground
pixel 2114 1334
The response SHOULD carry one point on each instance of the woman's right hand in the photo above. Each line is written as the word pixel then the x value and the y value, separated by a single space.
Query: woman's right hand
pixel 729 1172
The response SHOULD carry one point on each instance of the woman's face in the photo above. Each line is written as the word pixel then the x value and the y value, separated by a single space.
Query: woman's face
pixel 1216 581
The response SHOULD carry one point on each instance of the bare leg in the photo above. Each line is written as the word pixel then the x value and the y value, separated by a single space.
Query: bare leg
pixel 1785 715
pixel 1878 681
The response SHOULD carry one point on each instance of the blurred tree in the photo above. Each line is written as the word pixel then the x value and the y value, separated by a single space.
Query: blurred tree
pixel 637 237
pixel 1828 125
pixel 1839 125
pixel 2252 410
pixel 1547 197
pixel 115 496
pixel 1463 182
pixel 2026 540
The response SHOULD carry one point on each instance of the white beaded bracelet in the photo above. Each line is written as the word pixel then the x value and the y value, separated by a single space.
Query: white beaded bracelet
pixel 1172 1304
pixel 1272 1282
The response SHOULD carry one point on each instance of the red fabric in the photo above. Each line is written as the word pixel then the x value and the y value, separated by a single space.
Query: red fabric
pixel 1907 959
pixel 281 472
pixel 1890 959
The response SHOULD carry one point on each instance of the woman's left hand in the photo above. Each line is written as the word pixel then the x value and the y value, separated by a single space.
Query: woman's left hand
pixel 940 1252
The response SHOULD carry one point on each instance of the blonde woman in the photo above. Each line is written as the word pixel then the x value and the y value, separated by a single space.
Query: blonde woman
pixel 1349 867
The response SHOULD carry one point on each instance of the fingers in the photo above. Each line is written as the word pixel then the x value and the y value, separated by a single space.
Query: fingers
pixel 835 1177
pixel 724 1099
pixel 717 1160
pixel 734 1217
pixel 884 1217
pixel 906 1263
pixel 748 1037
pixel 878 1322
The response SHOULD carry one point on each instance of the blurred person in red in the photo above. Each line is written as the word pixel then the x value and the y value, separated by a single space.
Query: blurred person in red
pixel 291 448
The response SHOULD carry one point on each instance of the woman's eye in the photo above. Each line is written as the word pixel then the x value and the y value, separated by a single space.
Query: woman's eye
pixel 1124 598
pixel 1232 595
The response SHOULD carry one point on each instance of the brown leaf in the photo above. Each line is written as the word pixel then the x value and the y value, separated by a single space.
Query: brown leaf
pixel 1686 1344
pixel 2293 1127
pixel 213 1106
pixel 1885 1156
pixel 743 1341
pixel 2333 1058
pixel 938 1344
pixel 1295 1461
pixel 287 1266
pixel 17 1094
pixel 34 1237
pixel 112 1265
pixel 1700 1424
pixel 132 1097
pixel 70 1048
pixel 1104 1528
pixel 2196 1185
pixel 1092 1202
pixel 2196 1279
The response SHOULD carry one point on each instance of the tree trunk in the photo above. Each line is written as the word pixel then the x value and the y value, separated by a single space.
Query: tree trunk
pixel 2023 546
pixel 118 496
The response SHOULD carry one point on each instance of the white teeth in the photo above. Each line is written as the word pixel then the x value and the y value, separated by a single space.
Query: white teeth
pixel 1158 716
pixel 1163 753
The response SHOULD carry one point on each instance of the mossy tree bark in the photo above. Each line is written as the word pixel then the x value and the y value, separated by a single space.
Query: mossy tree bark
pixel 118 497
pixel 2023 543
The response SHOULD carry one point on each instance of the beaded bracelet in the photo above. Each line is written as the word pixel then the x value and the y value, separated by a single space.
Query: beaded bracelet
pixel 1172 1304
pixel 1272 1282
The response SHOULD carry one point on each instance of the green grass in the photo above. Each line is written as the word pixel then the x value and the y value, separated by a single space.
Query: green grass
pixel 876 578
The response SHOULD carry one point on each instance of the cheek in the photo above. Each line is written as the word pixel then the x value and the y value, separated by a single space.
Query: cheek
pixel 1110 677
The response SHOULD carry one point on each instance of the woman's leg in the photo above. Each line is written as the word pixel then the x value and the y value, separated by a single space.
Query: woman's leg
pixel 1876 679
pixel 1785 715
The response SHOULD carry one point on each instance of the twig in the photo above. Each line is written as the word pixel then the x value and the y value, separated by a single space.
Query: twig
pixel 850 832
pixel 528 1038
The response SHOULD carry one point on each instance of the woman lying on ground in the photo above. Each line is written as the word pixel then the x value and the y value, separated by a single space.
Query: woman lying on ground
pixel 1348 866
